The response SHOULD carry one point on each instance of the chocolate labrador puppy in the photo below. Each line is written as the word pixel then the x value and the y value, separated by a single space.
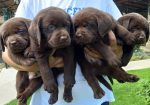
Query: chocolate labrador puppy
pixel 15 37
pixel 94 29
pixel 137 24
pixel 93 25
pixel 50 33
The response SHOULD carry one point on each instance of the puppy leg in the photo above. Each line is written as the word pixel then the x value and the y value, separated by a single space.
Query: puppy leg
pixel 22 82
pixel 88 73
pixel 125 35
pixel 104 82
pixel 47 76
pixel 127 54
pixel 92 81
pixel 120 74
pixel 69 73
pixel 34 84
pixel 107 53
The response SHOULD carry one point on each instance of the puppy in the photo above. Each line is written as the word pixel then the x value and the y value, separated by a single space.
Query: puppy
pixel 50 33
pixel 15 39
pixel 15 36
pixel 137 24
pixel 93 25
pixel 93 28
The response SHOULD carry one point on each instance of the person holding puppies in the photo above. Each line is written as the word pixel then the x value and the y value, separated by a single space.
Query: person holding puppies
pixel 81 92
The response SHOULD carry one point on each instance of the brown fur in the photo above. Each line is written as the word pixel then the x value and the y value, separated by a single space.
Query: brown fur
pixel 15 37
pixel 51 31
pixel 139 26
pixel 94 28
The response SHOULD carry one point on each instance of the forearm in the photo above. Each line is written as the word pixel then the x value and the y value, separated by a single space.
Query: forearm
pixel 53 62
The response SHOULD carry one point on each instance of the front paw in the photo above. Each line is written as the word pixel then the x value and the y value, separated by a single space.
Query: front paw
pixel 28 53
pixel 130 39
pixel 128 78
pixel 133 78
pixel 68 82
pixel 99 93
pixel 29 62
pixel 53 98
pixel 22 98
pixel 68 94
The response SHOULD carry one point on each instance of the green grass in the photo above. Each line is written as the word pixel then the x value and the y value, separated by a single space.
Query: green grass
pixel 14 102
pixel 133 93
pixel 129 93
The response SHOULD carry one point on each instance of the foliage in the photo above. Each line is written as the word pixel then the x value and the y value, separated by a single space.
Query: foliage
pixel 133 93
pixel 139 54
pixel 144 92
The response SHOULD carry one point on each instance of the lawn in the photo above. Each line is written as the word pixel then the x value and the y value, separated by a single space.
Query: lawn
pixel 129 93
pixel 133 93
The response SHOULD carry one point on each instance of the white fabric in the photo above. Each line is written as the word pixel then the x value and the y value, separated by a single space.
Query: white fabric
pixel 82 93
pixel 29 8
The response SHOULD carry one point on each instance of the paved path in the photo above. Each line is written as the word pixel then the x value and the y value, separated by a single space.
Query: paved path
pixel 7 80
pixel 7 85
pixel 134 65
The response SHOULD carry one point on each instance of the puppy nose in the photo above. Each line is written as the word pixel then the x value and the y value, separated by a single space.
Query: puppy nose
pixel 141 37
pixel 78 35
pixel 63 38
pixel 13 42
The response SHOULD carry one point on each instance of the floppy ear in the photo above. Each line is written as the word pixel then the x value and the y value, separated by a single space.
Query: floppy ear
pixel 34 31
pixel 125 22
pixel 2 43
pixel 27 23
pixel 103 24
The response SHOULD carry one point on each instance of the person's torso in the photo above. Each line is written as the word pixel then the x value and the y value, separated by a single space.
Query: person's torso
pixel 70 6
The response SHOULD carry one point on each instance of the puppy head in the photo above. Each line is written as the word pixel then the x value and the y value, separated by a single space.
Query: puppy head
pixel 14 34
pixel 136 24
pixel 90 25
pixel 52 26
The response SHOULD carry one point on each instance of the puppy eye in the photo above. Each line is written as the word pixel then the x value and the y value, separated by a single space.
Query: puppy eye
pixel 21 31
pixel 86 25
pixel 133 29
pixel 51 27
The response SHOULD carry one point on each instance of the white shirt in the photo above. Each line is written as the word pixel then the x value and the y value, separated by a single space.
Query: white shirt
pixel 82 93
pixel 29 8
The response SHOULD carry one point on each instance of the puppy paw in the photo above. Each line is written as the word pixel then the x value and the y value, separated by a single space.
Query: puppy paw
pixel 99 94
pixel 22 99
pixel 68 94
pixel 28 53
pixel 130 39
pixel 129 78
pixel 133 78
pixel 68 97
pixel 19 103
pixel 53 98
pixel 28 61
